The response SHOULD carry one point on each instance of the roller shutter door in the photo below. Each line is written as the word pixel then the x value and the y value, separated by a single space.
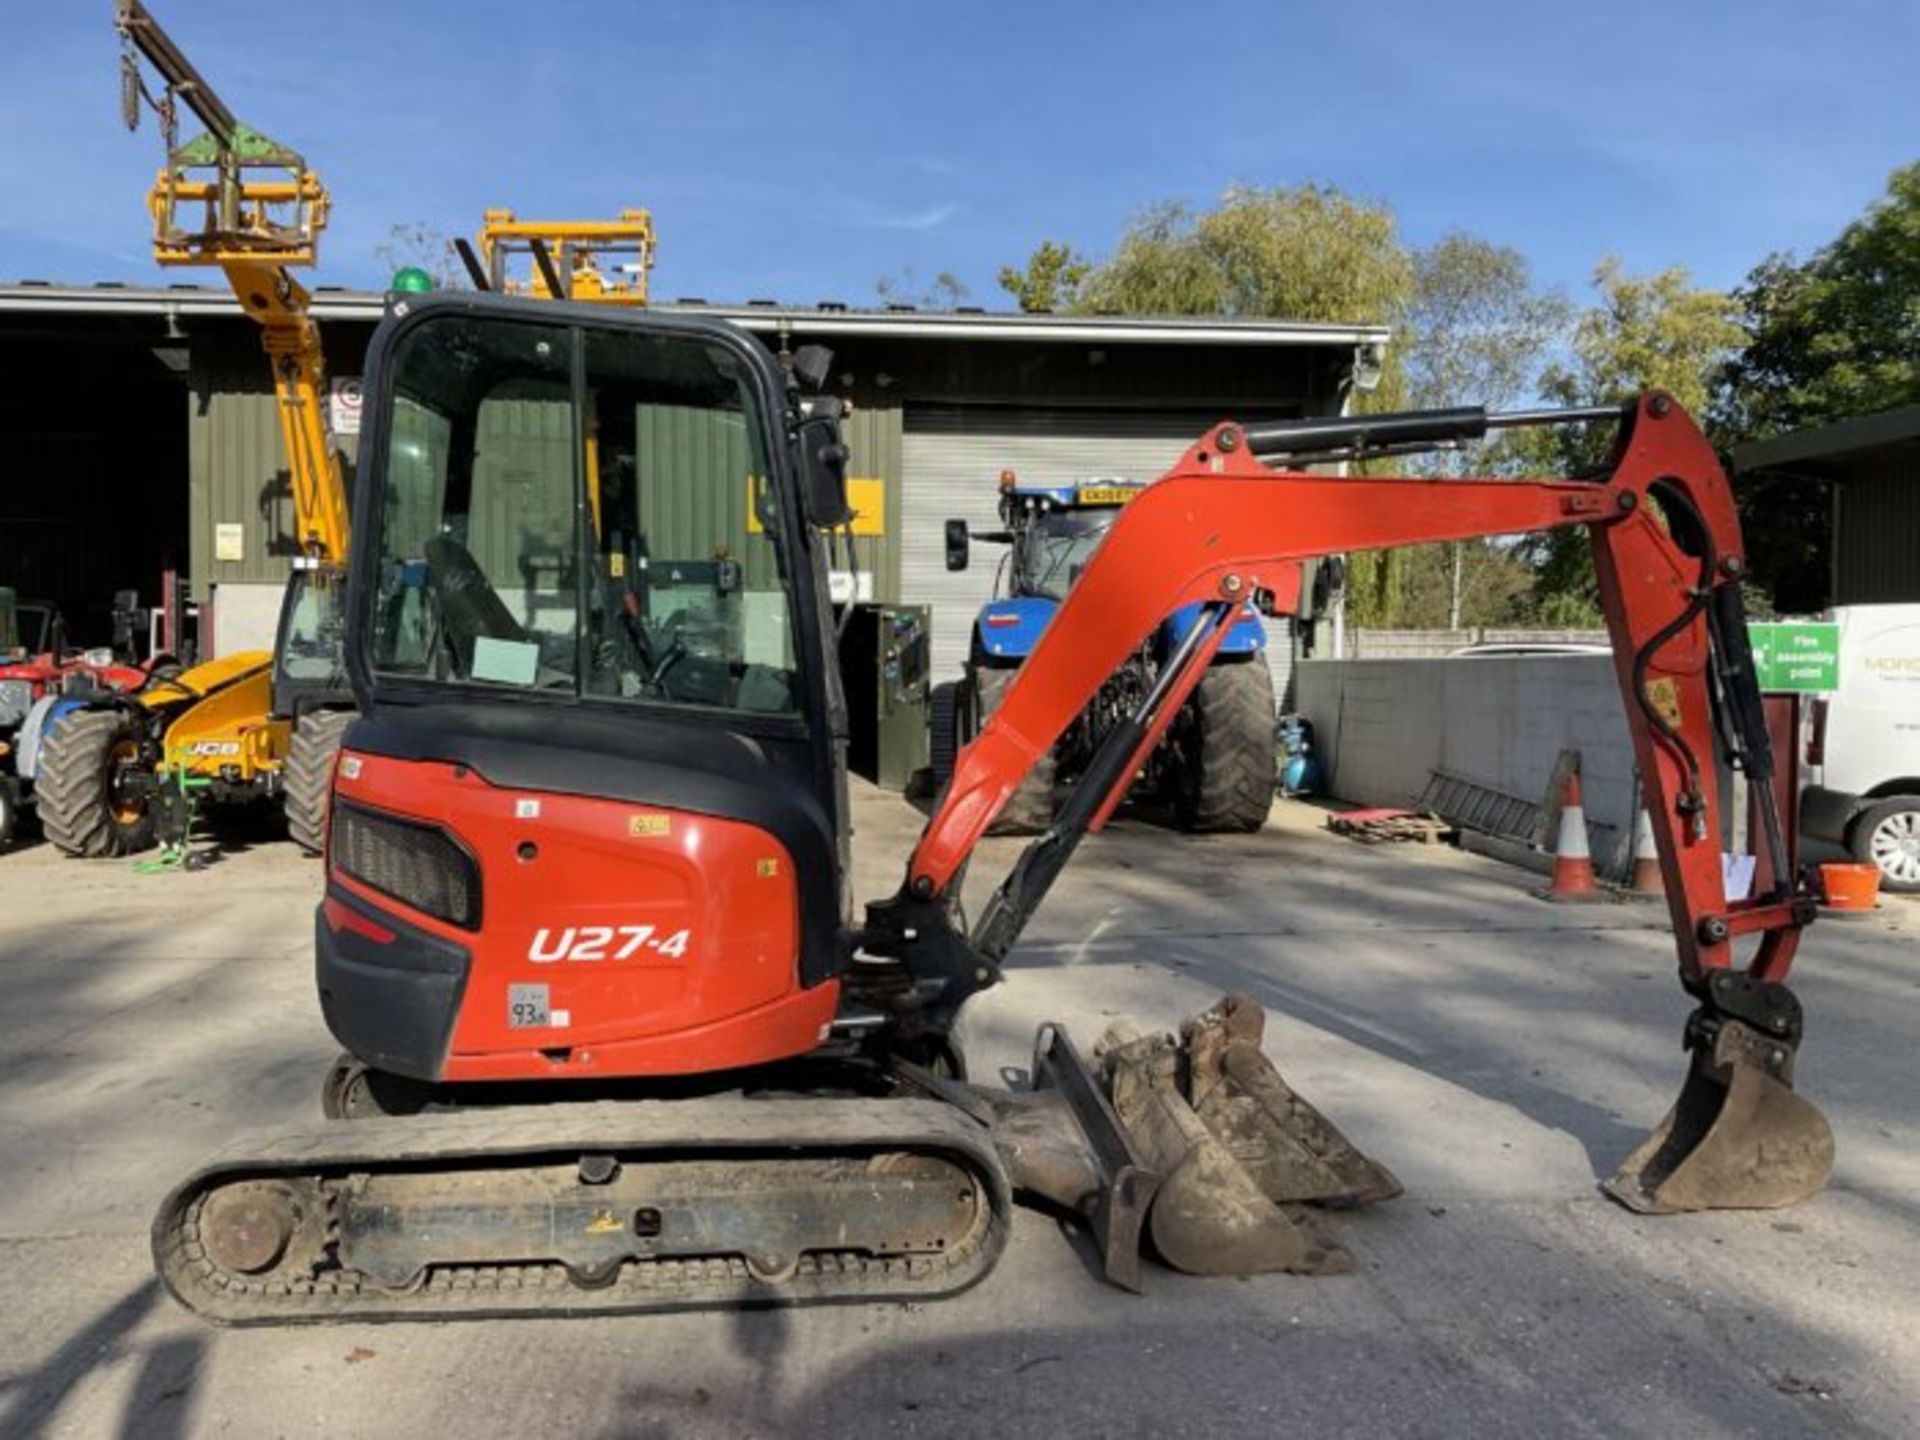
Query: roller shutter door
pixel 951 464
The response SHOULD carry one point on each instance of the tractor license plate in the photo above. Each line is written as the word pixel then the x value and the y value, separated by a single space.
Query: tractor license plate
pixel 1107 495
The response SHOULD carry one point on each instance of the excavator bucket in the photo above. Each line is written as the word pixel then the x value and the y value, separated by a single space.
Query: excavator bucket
pixel 1738 1138
pixel 1292 1151
pixel 1239 1154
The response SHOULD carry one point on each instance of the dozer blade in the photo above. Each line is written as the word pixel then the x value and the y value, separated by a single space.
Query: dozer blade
pixel 1209 1216
pixel 1738 1138
pixel 1288 1147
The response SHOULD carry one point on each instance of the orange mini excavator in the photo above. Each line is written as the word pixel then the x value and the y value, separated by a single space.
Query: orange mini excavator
pixel 617 1039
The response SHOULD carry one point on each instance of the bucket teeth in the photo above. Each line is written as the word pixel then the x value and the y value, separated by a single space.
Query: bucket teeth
pixel 1293 1151
pixel 1209 1217
pixel 1738 1138
pixel 1241 1154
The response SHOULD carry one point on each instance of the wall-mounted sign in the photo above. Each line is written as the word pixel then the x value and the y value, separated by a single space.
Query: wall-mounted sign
pixel 1802 657
pixel 343 405
pixel 230 542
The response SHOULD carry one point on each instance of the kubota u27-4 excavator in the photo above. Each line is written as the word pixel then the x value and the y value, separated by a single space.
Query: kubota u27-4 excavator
pixel 589 838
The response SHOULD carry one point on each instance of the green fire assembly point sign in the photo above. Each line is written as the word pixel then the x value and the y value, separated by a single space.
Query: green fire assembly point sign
pixel 1796 656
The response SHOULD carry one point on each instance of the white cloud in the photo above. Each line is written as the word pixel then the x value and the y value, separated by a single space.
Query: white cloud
pixel 930 217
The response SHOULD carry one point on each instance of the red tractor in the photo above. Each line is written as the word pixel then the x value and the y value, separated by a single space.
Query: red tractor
pixel 41 678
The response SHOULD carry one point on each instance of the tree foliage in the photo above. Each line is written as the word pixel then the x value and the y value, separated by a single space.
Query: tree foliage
pixel 1304 252
pixel 904 287
pixel 425 247
pixel 1837 335
pixel 1655 331
pixel 1051 279
pixel 1477 333
pixel 1834 336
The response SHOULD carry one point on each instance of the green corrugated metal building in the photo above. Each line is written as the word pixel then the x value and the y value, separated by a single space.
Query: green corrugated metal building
pixel 141 428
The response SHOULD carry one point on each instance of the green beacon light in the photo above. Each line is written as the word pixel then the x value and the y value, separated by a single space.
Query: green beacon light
pixel 411 280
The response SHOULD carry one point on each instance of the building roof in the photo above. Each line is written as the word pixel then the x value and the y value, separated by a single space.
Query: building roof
pixel 1824 451
pixel 109 298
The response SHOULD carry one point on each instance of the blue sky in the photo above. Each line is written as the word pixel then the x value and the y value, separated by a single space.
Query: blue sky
pixel 801 151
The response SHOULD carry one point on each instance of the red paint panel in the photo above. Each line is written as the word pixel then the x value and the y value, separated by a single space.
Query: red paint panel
pixel 667 942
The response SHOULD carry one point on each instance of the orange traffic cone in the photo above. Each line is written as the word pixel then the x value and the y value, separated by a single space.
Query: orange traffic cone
pixel 1573 881
pixel 1646 883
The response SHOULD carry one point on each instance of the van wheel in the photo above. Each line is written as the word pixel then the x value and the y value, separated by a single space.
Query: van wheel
pixel 1887 834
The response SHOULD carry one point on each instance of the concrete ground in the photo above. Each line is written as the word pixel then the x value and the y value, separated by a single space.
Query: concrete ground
pixel 1501 1055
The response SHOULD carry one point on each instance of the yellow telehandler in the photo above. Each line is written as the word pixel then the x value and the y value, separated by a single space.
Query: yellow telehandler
pixel 127 770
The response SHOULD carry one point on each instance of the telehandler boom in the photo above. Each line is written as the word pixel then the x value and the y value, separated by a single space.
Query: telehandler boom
pixel 588 844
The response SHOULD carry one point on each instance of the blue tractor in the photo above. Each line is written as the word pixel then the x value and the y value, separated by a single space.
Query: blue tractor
pixel 1215 770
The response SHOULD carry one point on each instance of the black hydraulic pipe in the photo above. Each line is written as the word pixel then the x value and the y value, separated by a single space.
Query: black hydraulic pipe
pixel 1401 432
pixel 1040 864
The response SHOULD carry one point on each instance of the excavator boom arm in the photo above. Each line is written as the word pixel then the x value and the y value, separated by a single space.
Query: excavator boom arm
pixel 1220 524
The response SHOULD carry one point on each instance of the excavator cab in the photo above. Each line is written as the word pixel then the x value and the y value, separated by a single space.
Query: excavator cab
pixel 586 633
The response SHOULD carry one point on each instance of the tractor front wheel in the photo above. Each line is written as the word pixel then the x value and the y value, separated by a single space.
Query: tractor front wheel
pixel 1029 810
pixel 1224 772
pixel 87 790
pixel 308 777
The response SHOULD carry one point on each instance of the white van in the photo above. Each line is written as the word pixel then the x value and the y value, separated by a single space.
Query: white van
pixel 1865 745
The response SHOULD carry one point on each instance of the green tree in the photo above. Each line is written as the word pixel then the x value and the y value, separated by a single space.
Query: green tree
pixel 1831 337
pixel 1477 333
pixel 1306 252
pixel 425 247
pixel 1838 335
pixel 1051 279
pixel 1654 331
pixel 944 291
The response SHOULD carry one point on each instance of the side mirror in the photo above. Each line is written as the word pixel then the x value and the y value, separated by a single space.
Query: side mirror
pixel 823 468
pixel 957 545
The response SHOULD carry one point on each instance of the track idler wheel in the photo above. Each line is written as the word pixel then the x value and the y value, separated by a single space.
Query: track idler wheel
pixel 1738 1138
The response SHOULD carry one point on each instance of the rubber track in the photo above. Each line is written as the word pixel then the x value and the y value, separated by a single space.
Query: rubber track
pixel 308 777
pixel 70 791
pixel 1029 809
pixel 779 1128
pixel 1232 719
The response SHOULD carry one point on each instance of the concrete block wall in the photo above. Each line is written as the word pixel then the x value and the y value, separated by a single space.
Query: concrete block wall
pixel 1382 725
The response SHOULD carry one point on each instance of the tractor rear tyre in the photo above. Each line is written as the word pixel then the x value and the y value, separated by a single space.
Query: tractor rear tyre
pixel 1029 810
pixel 308 777
pixel 943 730
pixel 85 804
pixel 1224 775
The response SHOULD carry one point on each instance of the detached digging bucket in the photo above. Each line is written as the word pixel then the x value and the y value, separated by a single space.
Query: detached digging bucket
pixel 1242 1155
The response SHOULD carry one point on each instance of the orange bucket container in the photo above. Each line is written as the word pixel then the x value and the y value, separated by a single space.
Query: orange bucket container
pixel 1850 887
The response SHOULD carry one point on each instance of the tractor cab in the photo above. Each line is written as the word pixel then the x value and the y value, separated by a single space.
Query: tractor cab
pixel 1055 529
